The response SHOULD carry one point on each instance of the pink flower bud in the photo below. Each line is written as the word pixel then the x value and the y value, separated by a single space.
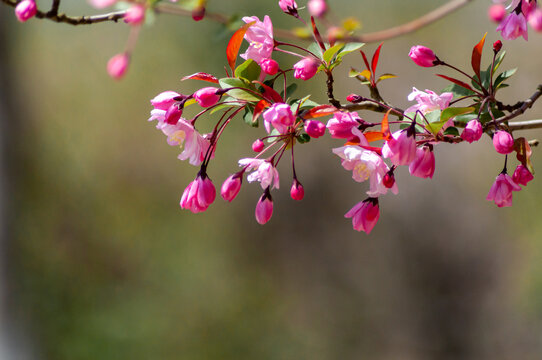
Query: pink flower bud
pixel 364 215
pixel 424 164
pixel 315 128
pixel 297 192
pixel 496 13
pixel 535 20
pixel 25 10
pixel 306 68
pixel 173 114
pixel 100 4
pixel 503 142
pixel 164 100
pixel 389 180
pixel 354 98
pixel 207 96
pixel 422 56
pixel 198 195
pixel 501 190
pixel 231 187
pixel 522 175
pixel 135 14
pixel 264 208
pixel 473 131
pixel 401 148
pixel 317 8
pixel 269 66
pixel 257 146
pixel 117 66
pixel 288 6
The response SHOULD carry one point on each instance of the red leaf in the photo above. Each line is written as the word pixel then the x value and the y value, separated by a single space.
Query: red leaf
pixel 372 148
pixel 376 55
pixel 477 57
pixel 457 82
pixel 201 76
pixel 386 126
pixel 373 136
pixel 270 93
pixel 317 35
pixel 319 111
pixel 235 44
pixel 365 60
pixel 258 110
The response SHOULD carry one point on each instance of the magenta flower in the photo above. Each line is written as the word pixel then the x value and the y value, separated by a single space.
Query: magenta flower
pixel 183 133
pixel 513 26
pixel 341 124
pixel 497 13
pixel 164 100
pixel 306 68
pixel 317 8
pixel 424 164
pixel 297 192
pixel 501 190
pixel 117 66
pixel 231 187
pixel 473 131
pixel 260 39
pixel 135 14
pixel 269 66
pixel 264 208
pixel 288 6
pixel 428 101
pixel 100 4
pixel 198 195
pixel 207 96
pixel 422 56
pixel 535 20
pixel 280 116
pixel 401 148
pixel 25 10
pixel 364 215
pixel 503 142
pixel 522 175
pixel 264 172
pixel 315 128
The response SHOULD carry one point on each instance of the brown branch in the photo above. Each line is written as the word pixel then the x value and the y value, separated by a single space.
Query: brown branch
pixel 525 125
pixel 527 104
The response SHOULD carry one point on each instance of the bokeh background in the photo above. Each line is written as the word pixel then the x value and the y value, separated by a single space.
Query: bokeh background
pixel 99 262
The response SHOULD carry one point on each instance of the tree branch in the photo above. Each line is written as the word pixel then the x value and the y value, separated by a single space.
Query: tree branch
pixel 521 107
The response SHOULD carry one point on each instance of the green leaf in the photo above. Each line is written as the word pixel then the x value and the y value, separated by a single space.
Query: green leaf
pixel 239 94
pixel 289 91
pixel 328 55
pixel 498 61
pixel 248 117
pixel 465 118
pixel 303 138
pixel 451 131
pixel 347 49
pixel 503 77
pixel 249 70
pixel 450 113
pixel 432 117
pixel 315 49
pixel 458 91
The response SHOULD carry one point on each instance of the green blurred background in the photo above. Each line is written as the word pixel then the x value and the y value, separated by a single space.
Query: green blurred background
pixel 99 262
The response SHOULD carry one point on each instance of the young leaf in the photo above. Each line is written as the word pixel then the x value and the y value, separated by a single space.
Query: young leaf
pixel 524 152
pixel 258 110
pixel 376 56
pixel 373 136
pixel 319 111
pixel 386 126
pixel 457 82
pixel 365 60
pixel 201 76
pixel 385 76
pixel 235 44
pixel 328 55
pixel 347 49
pixel 503 77
pixel 249 70
pixel 317 35
pixel 477 56
pixel 449 113
pixel 240 94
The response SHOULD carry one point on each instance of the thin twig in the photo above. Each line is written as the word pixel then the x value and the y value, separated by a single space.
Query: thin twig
pixel 520 110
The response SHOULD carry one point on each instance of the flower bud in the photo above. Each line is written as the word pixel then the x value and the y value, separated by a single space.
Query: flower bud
pixel 288 6
pixel 400 148
pixel 117 66
pixel 257 146
pixel 269 66
pixel 306 68
pixel 501 190
pixel 424 164
pixel 100 4
pixel 164 100
pixel 496 13
pixel 198 195
pixel 231 187
pixel 535 20
pixel 135 14
pixel 297 192
pixel 354 98
pixel 364 215
pixel 264 208
pixel 389 180
pixel 422 56
pixel 173 114
pixel 315 128
pixel 25 10
pixel 503 142
pixel 473 131
pixel 207 96
pixel 497 46
pixel 522 175
pixel 317 8
pixel 198 13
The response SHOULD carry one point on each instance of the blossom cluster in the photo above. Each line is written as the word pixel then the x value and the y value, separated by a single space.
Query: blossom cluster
pixel 514 24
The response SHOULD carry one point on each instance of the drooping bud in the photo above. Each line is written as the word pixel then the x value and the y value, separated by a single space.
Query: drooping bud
pixel 164 100
pixel 400 148
pixel 522 175
pixel 315 128
pixel 257 146
pixel 25 10
pixel 173 114
pixel 501 190
pixel 306 68
pixel 364 215
pixel 269 66
pixel 473 131
pixel 503 142
pixel 497 46
pixel 423 56
pixel 231 187
pixel 135 14
pixel 207 96
pixel 264 208
pixel 297 192
pixel 317 8
pixel 389 179
pixel 424 164
pixel 496 13
pixel 198 195
pixel 117 66
pixel 289 7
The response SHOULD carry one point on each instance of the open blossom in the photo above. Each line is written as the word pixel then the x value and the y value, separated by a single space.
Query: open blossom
pixel 503 142
pixel 264 172
pixel 513 26
pixel 501 190
pixel 522 175
pixel 341 124
pixel 306 68
pixel 473 131
pixel 198 195
pixel 401 148
pixel 424 164
pixel 280 116
pixel 364 215
pixel 422 56
pixel 365 164
pixel 183 133
pixel 260 39
pixel 25 10
pixel 264 208
pixel 428 101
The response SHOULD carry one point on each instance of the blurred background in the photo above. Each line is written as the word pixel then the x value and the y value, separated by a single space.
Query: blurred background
pixel 99 262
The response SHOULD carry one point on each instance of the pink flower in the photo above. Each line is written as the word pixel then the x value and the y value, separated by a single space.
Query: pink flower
pixel 135 14
pixel 288 6
pixel 231 187
pixel 365 164
pixel 297 192
pixel 100 4
pixel 269 66
pixel 173 114
pixel 401 148
pixel 424 164
pixel 117 66
pixel 428 101
pixel 314 128
pixel 341 124
pixel 264 172
pixel 535 20
pixel 306 68
pixel 422 56
pixel 183 133
pixel 260 39
pixel 522 175
pixel 501 190
pixel 503 142
pixel 25 10
pixel 264 208
pixel 364 215
pixel 317 8
pixel 164 100
pixel 198 195
pixel 280 116
pixel 513 26
pixel 207 96
pixel 473 131
pixel 497 13
pixel 258 145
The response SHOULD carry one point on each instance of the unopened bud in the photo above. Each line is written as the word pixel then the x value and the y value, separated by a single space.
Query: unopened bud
pixel 354 98
pixel 497 46
pixel 297 192
pixel 389 180
pixel 257 146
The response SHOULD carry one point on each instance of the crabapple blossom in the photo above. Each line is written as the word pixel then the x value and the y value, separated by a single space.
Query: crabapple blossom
pixel 164 100
pixel 535 20
pixel 264 208
pixel 117 66
pixel 207 96
pixel 173 114
pixel 198 195
pixel 258 145
pixel 269 66
pixel 522 175
pixel 473 131
pixel 306 68
pixel 317 8
pixel 497 13
pixel 401 147
pixel 297 192
pixel 513 26
pixel 135 14
pixel 26 10
pixel 288 6
pixel 364 215
pixel 341 124
pixel 231 186
pixel 424 164
pixel 422 56
pixel 503 142
pixel 501 190
pixel 264 172
pixel 183 133
pixel 280 116
pixel 428 101
pixel 260 39
pixel 315 128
